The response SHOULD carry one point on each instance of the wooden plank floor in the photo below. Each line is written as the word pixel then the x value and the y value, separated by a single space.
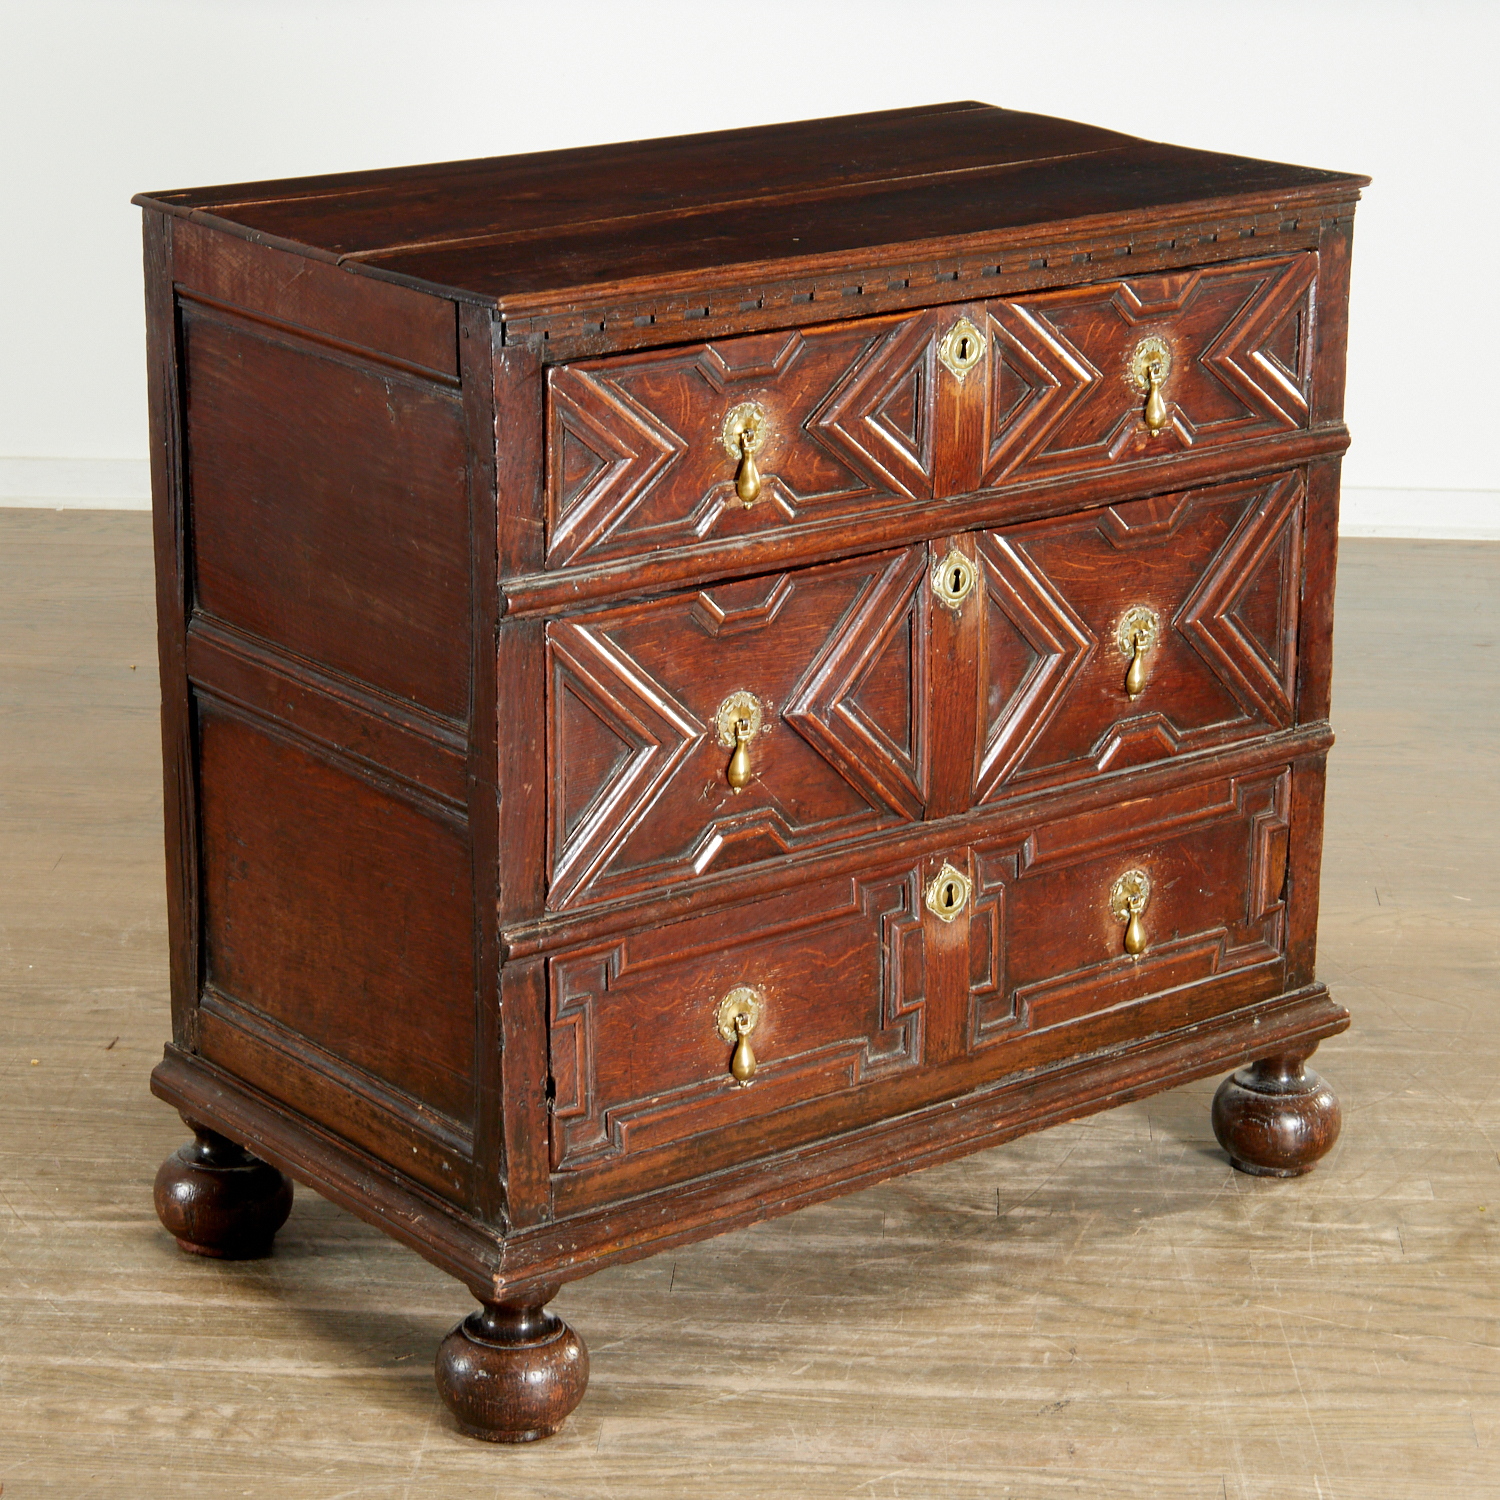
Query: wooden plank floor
pixel 1104 1310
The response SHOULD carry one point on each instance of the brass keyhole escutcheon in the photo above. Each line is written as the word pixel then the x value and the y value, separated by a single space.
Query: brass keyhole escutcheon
pixel 739 719
pixel 1150 364
pixel 947 893
pixel 953 579
pixel 1127 900
pixel 1136 635
pixel 962 348
pixel 744 436
pixel 738 1015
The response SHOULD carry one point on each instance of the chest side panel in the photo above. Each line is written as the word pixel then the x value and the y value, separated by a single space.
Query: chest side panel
pixel 328 502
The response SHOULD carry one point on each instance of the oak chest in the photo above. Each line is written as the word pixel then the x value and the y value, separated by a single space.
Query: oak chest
pixel 704 673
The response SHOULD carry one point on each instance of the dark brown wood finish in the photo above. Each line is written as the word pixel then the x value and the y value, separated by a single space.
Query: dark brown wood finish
pixel 215 1199
pixel 515 746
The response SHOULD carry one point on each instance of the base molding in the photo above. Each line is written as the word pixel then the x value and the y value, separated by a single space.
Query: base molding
pixel 500 1266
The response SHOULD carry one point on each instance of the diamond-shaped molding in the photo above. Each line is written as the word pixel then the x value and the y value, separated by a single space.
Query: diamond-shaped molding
pixel 656 734
pixel 1061 643
pixel 1039 379
pixel 1241 365
pixel 607 451
pixel 1241 615
pixel 880 414
pixel 1265 354
pixel 885 762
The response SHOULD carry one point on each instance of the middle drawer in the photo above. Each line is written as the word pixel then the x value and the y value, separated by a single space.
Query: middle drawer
pixel 751 720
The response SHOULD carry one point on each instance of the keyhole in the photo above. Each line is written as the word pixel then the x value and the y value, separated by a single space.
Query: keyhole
pixel 950 896
pixel 963 348
pixel 956 580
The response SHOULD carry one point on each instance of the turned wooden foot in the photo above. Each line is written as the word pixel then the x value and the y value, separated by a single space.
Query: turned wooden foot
pixel 216 1199
pixel 512 1372
pixel 1276 1118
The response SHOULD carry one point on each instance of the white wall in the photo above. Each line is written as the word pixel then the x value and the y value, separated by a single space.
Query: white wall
pixel 99 100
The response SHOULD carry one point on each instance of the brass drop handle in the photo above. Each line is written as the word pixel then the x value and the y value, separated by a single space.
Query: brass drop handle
pixel 738 774
pixel 1137 634
pixel 1135 676
pixel 1150 364
pixel 1127 899
pixel 742 1064
pixel 1156 408
pixel 739 718
pixel 738 1013
pixel 747 476
pixel 743 435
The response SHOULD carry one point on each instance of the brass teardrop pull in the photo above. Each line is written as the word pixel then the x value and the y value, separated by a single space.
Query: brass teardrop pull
pixel 1150 364
pixel 738 774
pixel 747 477
pixel 1156 408
pixel 1127 900
pixel 738 1013
pixel 739 718
pixel 1136 634
pixel 1135 677
pixel 743 436
pixel 742 1064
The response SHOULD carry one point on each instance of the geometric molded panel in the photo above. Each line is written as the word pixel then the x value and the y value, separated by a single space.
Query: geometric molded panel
pixel 635 443
pixel 1242 616
pixel 1219 568
pixel 1063 398
pixel 637 1063
pixel 863 702
pixel 595 686
pixel 1036 645
pixel 606 452
pixel 638 794
pixel 881 416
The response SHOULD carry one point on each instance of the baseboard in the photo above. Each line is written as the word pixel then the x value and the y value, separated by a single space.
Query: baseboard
pixel 125 484
pixel 76 483
pixel 1456 515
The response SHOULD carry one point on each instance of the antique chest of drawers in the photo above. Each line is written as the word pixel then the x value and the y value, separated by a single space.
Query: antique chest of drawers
pixel 701 674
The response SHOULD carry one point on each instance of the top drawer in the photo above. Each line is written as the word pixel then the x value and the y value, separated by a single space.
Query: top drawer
pixel 849 419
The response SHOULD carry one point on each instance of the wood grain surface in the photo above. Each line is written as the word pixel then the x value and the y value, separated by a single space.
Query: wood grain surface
pixel 1102 1309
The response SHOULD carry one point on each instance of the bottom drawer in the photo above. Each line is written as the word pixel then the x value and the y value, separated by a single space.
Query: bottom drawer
pixel 869 993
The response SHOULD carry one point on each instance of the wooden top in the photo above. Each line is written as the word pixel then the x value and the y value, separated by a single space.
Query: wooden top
pixel 527 230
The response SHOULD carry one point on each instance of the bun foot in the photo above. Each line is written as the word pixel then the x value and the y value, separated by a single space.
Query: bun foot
pixel 511 1373
pixel 214 1198
pixel 1276 1118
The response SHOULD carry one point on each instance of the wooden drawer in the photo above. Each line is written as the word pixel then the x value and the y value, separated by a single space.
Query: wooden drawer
pixel 638 1061
pixel 1207 580
pixel 873 704
pixel 854 419
pixel 1067 393
pixel 1048 935
pixel 869 1001
pixel 830 663
pixel 640 456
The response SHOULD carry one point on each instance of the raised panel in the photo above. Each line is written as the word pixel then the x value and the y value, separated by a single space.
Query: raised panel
pixel 1218 568
pixel 1062 394
pixel 639 792
pixel 329 508
pixel 1216 857
pixel 638 1064
pixel 339 912
pixel 637 454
